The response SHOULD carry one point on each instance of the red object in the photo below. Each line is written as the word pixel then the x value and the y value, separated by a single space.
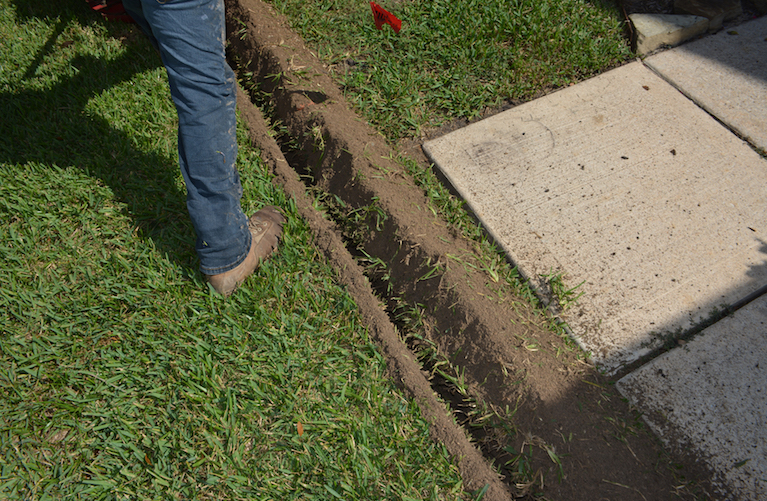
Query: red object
pixel 382 16
pixel 113 10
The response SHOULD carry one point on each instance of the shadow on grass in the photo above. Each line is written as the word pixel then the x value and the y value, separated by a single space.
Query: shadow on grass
pixel 54 126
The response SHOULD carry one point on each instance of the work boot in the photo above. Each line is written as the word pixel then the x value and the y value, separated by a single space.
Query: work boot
pixel 266 227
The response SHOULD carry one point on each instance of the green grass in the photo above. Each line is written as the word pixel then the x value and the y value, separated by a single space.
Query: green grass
pixel 122 376
pixel 454 58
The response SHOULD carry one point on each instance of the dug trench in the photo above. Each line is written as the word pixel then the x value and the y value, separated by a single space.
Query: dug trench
pixel 512 400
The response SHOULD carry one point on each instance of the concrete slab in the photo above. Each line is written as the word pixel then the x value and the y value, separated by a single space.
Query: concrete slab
pixel 628 188
pixel 726 74
pixel 708 399
pixel 653 31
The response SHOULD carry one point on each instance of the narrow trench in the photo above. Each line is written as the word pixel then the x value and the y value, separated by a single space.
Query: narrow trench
pixel 483 432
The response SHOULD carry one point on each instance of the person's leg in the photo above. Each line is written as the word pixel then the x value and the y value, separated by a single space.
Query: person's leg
pixel 189 35
pixel 136 12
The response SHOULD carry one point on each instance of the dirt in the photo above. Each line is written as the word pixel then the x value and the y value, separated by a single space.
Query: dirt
pixel 560 408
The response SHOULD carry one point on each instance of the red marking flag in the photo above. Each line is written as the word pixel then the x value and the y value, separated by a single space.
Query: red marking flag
pixel 113 10
pixel 383 16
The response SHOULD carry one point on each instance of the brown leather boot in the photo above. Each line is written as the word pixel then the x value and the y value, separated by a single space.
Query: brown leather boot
pixel 266 228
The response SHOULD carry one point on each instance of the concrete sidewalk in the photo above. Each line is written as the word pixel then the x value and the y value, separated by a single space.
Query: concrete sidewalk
pixel 638 189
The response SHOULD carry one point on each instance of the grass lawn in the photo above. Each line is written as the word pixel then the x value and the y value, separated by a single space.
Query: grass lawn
pixel 122 376
pixel 454 58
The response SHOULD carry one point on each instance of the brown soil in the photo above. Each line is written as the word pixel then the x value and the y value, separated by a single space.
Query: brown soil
pixel 503 345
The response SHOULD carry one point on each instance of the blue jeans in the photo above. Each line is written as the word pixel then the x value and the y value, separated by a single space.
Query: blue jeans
pixel 189 34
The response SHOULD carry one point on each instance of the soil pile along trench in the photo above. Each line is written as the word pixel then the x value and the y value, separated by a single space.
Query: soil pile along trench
pixel 571 436
pixel 402 366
